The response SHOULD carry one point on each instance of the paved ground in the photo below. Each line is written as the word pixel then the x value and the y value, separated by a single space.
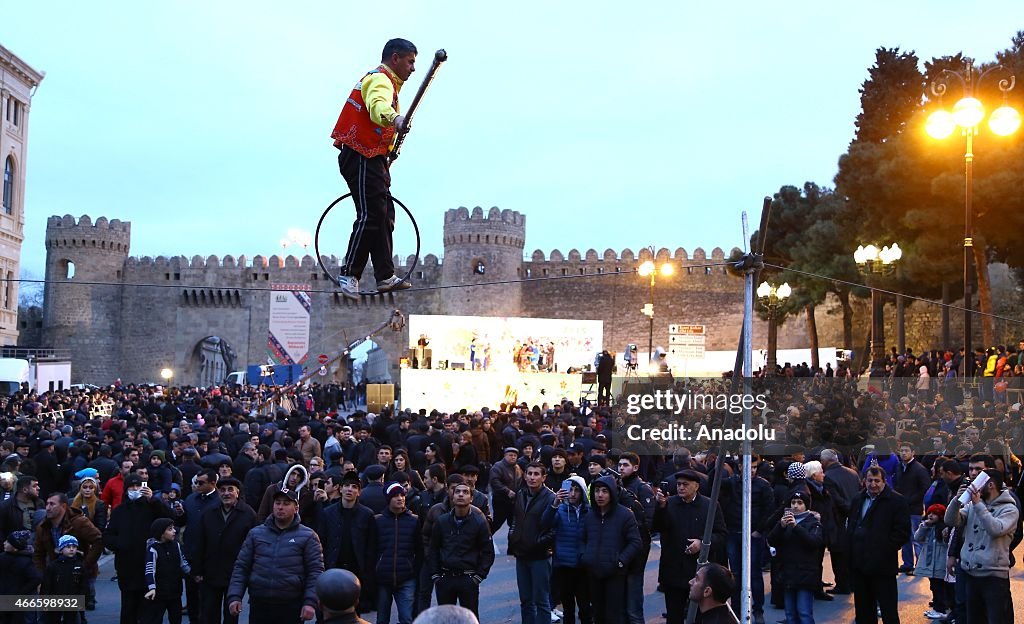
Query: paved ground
pixel 500 602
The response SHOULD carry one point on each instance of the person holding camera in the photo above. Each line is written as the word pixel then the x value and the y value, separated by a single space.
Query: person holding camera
pixel 565 517
pixel 680 519
pixel 799 541
pixel 126 535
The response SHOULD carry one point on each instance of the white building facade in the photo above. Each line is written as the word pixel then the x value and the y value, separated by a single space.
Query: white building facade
pixel 18 82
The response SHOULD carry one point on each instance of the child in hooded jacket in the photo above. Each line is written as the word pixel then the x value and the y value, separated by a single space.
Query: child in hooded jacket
pixel 166 568
pixel 18 575
pixel 932 561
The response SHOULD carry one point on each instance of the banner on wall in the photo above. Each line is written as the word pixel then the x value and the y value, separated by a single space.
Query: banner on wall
pixel 288 335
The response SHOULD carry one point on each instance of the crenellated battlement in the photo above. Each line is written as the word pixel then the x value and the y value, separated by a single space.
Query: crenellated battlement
pixel 68 233
pixel 627 255
pixel 494 215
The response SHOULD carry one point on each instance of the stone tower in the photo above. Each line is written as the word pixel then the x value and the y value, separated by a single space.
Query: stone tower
pixel 481 249
pixel 86 318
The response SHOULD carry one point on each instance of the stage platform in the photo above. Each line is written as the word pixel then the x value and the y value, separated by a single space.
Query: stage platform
pixel 452 390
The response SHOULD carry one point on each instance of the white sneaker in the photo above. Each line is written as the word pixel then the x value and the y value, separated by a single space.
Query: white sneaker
pixel 558 613
pixel 932 614
pixel 392 283
pixel 349 287
pixel 555 617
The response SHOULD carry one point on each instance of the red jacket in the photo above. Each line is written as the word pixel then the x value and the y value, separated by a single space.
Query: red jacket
pixel 355 128
pixel 113 491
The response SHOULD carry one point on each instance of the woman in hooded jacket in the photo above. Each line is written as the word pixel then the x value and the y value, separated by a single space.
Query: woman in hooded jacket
pixel 799 544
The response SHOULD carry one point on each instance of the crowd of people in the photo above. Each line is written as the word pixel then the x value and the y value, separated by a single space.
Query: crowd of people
pixel 206 503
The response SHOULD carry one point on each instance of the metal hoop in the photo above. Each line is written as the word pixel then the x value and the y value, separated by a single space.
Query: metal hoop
pixel 316 239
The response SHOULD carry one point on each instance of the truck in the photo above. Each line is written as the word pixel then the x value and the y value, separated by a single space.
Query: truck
pixel 276 375
pixel 41 374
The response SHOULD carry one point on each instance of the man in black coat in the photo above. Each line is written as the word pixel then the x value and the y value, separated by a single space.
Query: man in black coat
pixel 218 539
pixel 845 481
pixel 878 526
pixel 911 481
pixel 348 534
pixel 460 552
pixel 531 545
pixel 611 542
pixel 47 470
pixel 126 536
pixel 681 519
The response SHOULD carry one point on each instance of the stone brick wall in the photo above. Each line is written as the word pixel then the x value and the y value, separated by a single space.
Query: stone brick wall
pixel 158 310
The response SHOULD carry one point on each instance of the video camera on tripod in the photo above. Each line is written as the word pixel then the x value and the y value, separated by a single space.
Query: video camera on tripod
pixel 630 357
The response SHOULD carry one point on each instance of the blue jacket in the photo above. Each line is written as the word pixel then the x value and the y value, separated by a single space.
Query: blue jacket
pixel 397 547
pixel 278 563
pixel 567 523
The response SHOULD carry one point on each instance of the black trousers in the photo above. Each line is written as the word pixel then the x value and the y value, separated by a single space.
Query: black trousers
pixel 275 612
pixel 369 181
pixel 871 589
pixel 841 569
pixel 193 598
pixel 604 391
pixel 502 512
pixel 608 599
pixel 459 589
pixel 131 605
pixel 573 592
pixel 677 599
pixel 215 605
pixel 988 599
pixel 153 610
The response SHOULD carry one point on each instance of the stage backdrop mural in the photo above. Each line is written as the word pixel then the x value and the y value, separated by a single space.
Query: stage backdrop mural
pixel 493 343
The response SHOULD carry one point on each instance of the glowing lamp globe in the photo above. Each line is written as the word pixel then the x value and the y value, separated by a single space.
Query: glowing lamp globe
pixel 784 291
pixel 764 290
pixel 940 124
pixel 646 268
pixel 667 269
pixel 1004 120
pixel 968 112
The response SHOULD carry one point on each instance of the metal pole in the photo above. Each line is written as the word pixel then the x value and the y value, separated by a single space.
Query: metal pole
pixel 773 343
pixel 748 372
pixel 650 334
pixel 968 259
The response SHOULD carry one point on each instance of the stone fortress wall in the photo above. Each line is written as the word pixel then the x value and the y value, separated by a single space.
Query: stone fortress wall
pixel 157 311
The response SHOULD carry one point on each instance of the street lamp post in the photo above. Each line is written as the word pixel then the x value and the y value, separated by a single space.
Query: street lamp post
pixel 649 269
pixel 874 261
pixel 771 297
pixel 968 113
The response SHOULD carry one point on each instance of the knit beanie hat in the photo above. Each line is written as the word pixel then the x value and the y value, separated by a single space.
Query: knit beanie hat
pixel 938 509
pixel 796 471
pixel 393 490
pixel 159 526
pixel 20 540
pixel 65 541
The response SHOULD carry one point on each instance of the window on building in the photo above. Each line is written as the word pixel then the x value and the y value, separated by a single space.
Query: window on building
pixel 7 289
pixel 9 186
pixel 69 269
pixel 17 112
pixel 479 267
